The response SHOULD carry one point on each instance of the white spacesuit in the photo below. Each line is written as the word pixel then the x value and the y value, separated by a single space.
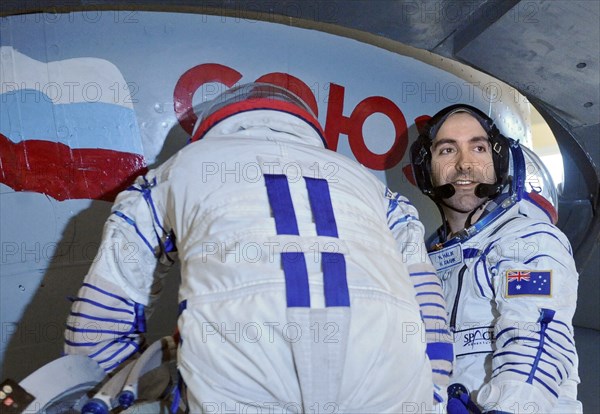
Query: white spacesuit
pixel 295 291
pixel 511 287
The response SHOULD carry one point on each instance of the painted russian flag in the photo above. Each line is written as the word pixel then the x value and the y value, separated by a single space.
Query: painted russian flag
pixel 67 129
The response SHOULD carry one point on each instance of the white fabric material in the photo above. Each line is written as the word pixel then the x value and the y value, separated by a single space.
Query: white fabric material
pixel 242 347
pixel 503 354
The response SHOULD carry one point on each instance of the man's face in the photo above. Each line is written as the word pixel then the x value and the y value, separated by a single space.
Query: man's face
pixel 461 155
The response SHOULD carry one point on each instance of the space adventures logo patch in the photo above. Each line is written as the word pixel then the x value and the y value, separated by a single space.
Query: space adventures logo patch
pixel 528 283
pixel 475 340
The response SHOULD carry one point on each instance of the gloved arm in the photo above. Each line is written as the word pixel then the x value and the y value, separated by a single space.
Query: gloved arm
pixel 108 315
pixel 403 221
pixel 533 281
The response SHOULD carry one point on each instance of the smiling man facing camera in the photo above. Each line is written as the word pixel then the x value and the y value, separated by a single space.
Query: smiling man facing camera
pixel 508 273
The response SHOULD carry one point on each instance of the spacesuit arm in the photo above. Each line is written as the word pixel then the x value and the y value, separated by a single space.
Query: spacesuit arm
pixel 108 315
pixel 408 231
pixel 534 283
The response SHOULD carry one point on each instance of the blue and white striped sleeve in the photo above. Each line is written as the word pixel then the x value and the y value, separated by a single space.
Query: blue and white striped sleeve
pixel 408 231
pixel 108 314
pixel 534 280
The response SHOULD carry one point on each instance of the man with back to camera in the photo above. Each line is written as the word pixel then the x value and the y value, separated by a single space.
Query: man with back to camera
pixel 508 273
pixel 304 287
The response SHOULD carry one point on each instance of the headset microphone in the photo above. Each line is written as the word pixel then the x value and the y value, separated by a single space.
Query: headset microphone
pixel 488 190
pixel 443 191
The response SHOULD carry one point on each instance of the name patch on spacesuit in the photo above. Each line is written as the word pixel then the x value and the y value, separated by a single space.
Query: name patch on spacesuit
pixel 474 341
pixel 447 258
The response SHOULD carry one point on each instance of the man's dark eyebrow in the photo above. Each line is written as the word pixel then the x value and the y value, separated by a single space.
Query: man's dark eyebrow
pixel 437 143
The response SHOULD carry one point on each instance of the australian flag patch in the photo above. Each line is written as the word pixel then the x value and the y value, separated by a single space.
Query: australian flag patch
pixel 528 283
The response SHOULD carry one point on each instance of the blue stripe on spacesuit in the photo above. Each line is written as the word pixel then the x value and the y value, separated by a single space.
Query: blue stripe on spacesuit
pixel 437 331
pixel 422 274
pixel 100 331
pixel 563 324
pixel 567 248
pixel 182 306
pixel 497 265
pixel 563 335
pixel 124 340
pixel 519 338
pixel 168 245
pixel 281 204
pixel 393 203
pixel 534 378
pixel 489 282
pixel 296 279
pixel 501 367
pixel 546 374
pixel 433 304
pixel 145 190
pixel 470 253
pixel 545 318
pixel 556 368
pixel 544 255
pixel 112 295
pixel 140 317
pixel 541 223
pixel 430 294
pixel 499 354
pixel 523 372
pixel 558 352
pixel 403 219
pixel 418 285
pixel 80 344
pixel 320 204
pixel 131 222
pixel 118 352
pixel 440 318
pixel 560 363
pixel 502 332
pixel 440 350
pixel 335 281
pixel 95 318
pixel 294 263
pixel 549 345
pixel 549 348
pixel 560 346
pixel 482 261
pixel 538 256
pixel 100 305
pixel 560 368
pixel 116 364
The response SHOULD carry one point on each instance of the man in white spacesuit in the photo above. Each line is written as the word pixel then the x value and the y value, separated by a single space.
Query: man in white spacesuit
pixel 303 281
pixel 508 273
